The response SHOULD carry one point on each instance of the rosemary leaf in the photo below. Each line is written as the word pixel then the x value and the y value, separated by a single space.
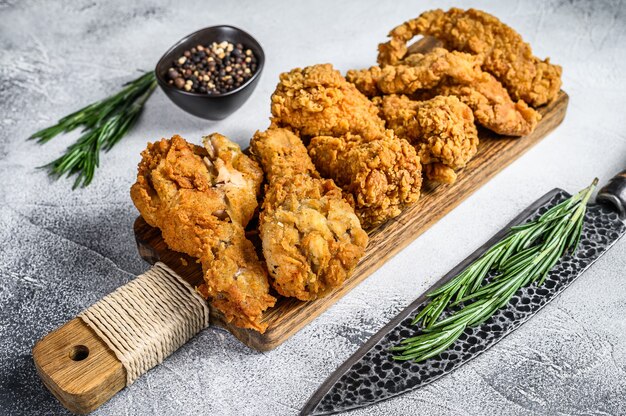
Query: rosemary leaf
pixel 104 123
pixel 525 256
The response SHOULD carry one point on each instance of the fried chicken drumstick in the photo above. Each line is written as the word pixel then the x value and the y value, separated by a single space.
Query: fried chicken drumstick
pixel 440 72
pixel 349 143
pixel 312 239
pixel 201 199
pixel 505 53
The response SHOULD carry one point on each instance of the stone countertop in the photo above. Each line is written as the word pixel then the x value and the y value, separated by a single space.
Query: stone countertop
pixel 60 250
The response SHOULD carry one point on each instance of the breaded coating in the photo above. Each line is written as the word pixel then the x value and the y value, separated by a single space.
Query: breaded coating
pixel 441 129
pixel 438 172
pixel 201 199
pixel 505 53
pixel 382 174
pixel 366 80
pixel 312 239
pixel 424 71
pixel 317 100
pixel 281 154
pixel 491 105
pixel 440 72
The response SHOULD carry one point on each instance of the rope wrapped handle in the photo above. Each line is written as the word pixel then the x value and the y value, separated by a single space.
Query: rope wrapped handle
pixel 146 320
pixel 119 338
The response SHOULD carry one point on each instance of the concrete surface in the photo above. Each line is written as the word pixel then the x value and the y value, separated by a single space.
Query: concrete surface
pixel 60 250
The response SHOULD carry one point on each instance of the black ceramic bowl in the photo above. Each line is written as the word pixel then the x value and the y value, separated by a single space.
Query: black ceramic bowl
pixel 210 107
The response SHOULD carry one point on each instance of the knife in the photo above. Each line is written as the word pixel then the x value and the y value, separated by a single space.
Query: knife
pixel 370 375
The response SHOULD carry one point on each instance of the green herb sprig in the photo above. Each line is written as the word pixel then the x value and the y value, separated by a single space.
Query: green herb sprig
pixel 525 256
pixel 104 123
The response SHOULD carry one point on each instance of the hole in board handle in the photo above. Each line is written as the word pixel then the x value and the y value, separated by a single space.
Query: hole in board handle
pixel 79 352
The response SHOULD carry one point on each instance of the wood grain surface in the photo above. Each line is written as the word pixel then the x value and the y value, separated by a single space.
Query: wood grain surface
pixel 78 367
pixel 290 315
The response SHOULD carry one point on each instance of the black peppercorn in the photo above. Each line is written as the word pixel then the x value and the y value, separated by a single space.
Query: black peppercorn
pixel 213 69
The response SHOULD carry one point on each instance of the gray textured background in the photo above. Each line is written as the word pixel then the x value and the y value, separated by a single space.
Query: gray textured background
pixel 61 250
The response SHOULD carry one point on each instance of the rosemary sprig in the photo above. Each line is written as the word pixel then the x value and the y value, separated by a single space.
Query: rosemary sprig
pixel 525 256
pixel 104 123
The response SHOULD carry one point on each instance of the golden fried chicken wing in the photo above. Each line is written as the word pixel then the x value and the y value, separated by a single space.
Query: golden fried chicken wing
pixel 505 53
pixel 441 129
pixel 201 199
pixel 382 174
pixel 317 100
pixel 312 239
pixel 440 72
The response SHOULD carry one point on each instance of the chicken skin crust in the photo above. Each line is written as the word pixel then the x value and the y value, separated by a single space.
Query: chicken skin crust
pixel 441 129
pixel 382 174
pixel 281 154
pixel 317 100
pixel 506 55
pixel 312 239
pixel 201 199
pixel 440 72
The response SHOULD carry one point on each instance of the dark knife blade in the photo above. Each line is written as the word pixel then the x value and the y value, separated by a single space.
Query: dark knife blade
pixel 370 375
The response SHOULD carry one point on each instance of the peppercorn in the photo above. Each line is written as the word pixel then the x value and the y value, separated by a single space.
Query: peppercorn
pixel 213 69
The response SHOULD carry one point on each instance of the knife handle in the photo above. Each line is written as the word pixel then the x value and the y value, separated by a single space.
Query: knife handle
pixel 614 193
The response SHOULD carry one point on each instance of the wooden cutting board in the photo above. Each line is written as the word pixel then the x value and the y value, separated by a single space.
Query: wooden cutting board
pixel 290 315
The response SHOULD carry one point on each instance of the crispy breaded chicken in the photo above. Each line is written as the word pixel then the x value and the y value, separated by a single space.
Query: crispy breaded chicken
pixel 505 53
pixel 491 105
pixel 382 174
pixel 441 129
pixel 440 72
pixel 281 154
pixel 421 71
pixel 317 100
pixel 312 240
pixel 201 199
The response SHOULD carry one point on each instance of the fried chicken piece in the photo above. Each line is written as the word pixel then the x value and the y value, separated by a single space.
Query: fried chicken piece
pixel 441 129
pixel 312 239
pixel 505 53
pixel 352 148
pixel 491 105
pixel 281 154
pixel 201 199
pixel 383 174
pixel 423 71
pixel 317 100
pixel 440 72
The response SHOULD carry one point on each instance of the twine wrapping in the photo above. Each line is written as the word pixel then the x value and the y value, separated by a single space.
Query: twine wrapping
pixel 147 319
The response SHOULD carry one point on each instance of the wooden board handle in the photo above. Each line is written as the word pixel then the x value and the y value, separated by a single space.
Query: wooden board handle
pixel 89 359
pixel 614 193
pixel 76 365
